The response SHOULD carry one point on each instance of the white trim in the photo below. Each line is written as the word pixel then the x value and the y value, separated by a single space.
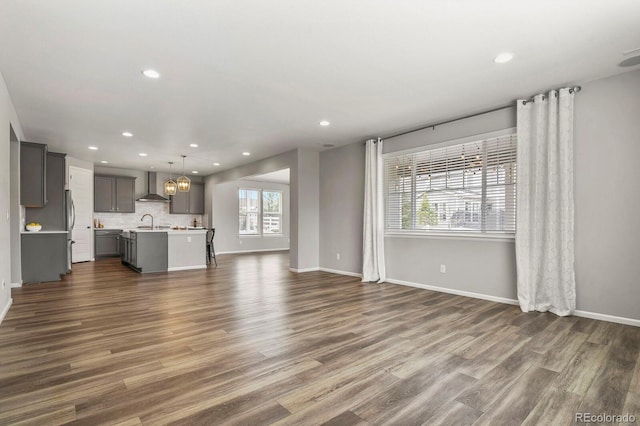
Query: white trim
pixel 185 268
pixel 507 238
pixel 336 271
pixel 297 271
pixel 472 138
pixel 609 318
pixel 454 291
pixel 5 310
pixel 251 251
pixel 15 285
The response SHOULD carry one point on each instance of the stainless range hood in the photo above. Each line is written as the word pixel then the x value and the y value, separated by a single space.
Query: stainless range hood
pixel 151 195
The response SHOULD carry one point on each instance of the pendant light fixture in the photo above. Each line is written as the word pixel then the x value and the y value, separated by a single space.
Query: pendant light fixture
pixel 170 186
pixel 184 183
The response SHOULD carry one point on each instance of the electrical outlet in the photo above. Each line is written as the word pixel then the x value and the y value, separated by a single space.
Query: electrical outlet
pixel 337 256
pixel 4 284
pixel 240 241
pixel 188 239
pixel 443 269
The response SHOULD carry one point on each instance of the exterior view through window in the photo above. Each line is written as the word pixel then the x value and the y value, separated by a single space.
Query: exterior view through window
pixel 462 188
pixel 260 212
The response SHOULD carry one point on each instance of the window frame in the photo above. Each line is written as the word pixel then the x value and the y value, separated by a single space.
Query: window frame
pixel 259 220
pixel 260 224
pixel 414 233
pixel 280 214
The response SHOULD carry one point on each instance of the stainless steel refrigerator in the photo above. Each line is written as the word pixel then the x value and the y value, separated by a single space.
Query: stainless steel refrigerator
pixel 70 222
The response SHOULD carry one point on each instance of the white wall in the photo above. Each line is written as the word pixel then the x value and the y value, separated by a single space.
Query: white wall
pixel 305 212
pixel 8 117
pixel 225 201
pixel 607 150
pixel 607 179
pixel 341 207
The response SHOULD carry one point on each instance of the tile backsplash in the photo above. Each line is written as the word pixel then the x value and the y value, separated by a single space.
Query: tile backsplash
pixel 159 211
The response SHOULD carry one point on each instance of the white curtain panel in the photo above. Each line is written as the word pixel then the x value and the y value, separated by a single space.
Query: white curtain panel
pixel 544 218
pixel 373 268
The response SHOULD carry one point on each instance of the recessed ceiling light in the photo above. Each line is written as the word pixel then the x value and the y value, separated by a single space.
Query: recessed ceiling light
pixel 127 134
pixel 216 164
pixel 143 154
pixel 630 61
pixel 93 148
pixel 151 73
pixel 503 58
pixel 195 172
pixel 104 162
pixel 152 167
pixel 324 123
pixel 246 153
pixel 193 145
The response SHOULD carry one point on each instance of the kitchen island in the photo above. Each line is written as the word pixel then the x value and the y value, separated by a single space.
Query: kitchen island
pixel 159 250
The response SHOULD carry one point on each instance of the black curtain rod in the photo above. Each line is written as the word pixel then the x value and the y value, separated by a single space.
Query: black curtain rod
pixel 574 89
pixel 511 105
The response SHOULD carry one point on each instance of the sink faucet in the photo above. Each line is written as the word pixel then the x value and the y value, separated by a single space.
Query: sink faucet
pixel 147 214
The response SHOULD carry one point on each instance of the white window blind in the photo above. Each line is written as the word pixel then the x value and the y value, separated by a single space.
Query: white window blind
pixel 463 188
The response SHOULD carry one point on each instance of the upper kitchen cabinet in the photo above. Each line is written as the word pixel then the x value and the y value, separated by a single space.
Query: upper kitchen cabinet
pixel 191 202
pixel 33 174
pixel 115 194
pixel 53 215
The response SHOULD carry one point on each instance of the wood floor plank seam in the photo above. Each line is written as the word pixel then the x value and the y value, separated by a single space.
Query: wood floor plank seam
pixel 250 342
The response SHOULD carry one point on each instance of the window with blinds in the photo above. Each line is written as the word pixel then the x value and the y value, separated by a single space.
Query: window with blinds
pixel 463 188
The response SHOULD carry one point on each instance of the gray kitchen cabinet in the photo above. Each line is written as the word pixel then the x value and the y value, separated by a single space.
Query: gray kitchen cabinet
pixel 44 256
pixel 115 194
pixel 125 243
pixel 196 198
pixel 145 251
pixel 107 242
pixel 33 174
pixel 191 202
pixel 52 216
pixel 125 194
pixel 104 193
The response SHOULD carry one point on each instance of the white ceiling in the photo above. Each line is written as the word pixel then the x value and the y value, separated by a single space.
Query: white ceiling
pixel 259 75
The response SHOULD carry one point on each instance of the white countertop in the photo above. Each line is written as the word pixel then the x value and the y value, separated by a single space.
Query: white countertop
pixel 43 232
pixel 169 231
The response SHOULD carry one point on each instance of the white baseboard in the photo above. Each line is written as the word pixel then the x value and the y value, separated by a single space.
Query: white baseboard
pixel 315 268
pixel 186 268
pixel 5 310
pixel 609 318
pixel 336 271
pixel 15 285
pixel 454 291
pixel 251 251
pixel 577 313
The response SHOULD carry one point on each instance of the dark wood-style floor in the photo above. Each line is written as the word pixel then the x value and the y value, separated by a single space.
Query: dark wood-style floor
pixel 252 343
